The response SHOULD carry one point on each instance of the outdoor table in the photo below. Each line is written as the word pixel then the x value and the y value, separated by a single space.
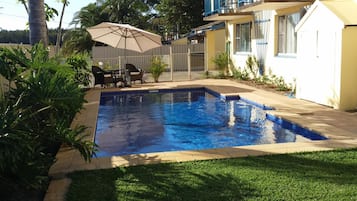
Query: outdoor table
pixel 119 76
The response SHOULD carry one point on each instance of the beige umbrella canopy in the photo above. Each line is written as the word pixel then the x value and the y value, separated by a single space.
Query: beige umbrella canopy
pixel 124 36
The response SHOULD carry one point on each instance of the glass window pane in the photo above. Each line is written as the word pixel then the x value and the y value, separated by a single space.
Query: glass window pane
pixel 243 37
pixel 281 32
pixel 287 37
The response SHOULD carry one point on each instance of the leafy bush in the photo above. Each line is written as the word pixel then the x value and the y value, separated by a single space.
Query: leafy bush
pixel 36 112
pixel 222 61
pixel 240 74
pixel 280 83
pixel 79 64
pixel 157 67
pixel 252 66
pixel 264 79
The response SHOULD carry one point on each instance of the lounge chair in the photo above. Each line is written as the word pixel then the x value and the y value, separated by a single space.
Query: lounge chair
pixel 134 73
pixel 103 77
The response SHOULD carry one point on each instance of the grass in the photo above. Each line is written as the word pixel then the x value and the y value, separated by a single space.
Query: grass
pixel 330 175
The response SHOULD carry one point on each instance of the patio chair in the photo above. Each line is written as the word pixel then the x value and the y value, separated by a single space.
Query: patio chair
pixel 103 77
pixel 134 73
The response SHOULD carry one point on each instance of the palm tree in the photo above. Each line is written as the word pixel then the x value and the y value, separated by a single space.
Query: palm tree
pixel 129 12
pixel 78 39
pixel 90 15
pixel 37 22
pixel 59 31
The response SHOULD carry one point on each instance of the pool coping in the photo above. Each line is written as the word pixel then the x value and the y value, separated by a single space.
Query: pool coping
pixel 69 160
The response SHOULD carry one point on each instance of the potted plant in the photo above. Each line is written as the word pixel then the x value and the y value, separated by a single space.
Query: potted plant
pixel 157 67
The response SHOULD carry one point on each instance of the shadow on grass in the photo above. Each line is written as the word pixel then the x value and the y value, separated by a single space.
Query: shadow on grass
pixel 327 175
pixel 172 182
pixel 158 182
pixel 335 167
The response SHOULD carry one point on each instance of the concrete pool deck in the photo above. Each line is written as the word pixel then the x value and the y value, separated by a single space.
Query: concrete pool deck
pixel 340 127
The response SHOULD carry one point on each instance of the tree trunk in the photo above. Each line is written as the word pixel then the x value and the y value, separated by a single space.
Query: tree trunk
pixel 37 22
pixel 59 31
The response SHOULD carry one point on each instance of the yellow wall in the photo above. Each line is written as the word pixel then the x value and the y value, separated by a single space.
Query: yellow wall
pixel 319 57
pixel 215 43
pixel 349 69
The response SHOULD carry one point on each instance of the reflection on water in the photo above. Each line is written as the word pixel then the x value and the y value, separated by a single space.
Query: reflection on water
pixel 182 120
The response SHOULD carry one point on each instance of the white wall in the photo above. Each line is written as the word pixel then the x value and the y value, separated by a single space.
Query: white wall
pixel 279 65
pixel 319 56
pixel 237 58
pixel 284 65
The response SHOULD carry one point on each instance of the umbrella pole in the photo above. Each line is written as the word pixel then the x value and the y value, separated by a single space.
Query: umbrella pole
pixel 127 73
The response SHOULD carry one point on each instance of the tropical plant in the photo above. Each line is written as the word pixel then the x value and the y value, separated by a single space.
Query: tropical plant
pixel 79 64
pixel 264 79
pixel 280 83
pixel 157 67
pixel 11 64
pixel 36 113
pixel 122 11
pixel 222 61
pixel 59 30
pixel 252 65
pixel 90 15
pixel 240 74
pixel 180 16
pixel 76 41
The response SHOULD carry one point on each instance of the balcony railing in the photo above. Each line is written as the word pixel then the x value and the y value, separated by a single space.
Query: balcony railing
pixel 225 6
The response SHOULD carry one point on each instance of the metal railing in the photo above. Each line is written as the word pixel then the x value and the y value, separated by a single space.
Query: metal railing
pixel 184 62
pixel 225 6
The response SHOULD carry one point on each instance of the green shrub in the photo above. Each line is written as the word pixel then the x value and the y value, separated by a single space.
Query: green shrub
pixel 222 61
pixel 36 113
pixel 262 80
pixel 252 66
pixel 79 64
pixel 157 67
pixel 240 74
pixel 280 84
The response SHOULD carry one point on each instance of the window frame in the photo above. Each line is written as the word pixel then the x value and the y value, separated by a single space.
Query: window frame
pixel 286 34
pixel 241 47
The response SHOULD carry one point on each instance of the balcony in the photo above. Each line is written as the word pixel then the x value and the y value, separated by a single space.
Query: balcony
pixel 225 9
pixel 235 9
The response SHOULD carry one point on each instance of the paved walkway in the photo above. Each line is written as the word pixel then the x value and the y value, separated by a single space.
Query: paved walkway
pixel 340 127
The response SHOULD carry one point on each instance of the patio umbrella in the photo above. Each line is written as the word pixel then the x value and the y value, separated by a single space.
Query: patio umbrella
pixel 124 36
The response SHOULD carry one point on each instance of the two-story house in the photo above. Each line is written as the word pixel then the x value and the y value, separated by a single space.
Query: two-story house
pixel 268 30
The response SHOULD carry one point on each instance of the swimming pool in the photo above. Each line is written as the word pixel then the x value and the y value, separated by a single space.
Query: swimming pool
pixel 186 119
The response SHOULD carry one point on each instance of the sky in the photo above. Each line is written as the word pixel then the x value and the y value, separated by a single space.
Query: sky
pixel 13 15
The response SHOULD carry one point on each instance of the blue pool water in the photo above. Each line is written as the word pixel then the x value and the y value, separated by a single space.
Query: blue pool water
pixel 195 119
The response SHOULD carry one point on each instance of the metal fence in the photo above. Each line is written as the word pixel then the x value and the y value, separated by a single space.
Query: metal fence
pixel 184 62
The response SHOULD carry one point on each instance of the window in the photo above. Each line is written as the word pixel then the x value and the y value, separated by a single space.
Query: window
pixel 287 34
pixel 243 37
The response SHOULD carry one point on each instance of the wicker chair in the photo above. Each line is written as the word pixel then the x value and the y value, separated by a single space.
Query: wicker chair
pixel 134 73
pixel 103 77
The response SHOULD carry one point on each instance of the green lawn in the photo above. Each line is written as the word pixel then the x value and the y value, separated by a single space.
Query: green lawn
pixel 318 176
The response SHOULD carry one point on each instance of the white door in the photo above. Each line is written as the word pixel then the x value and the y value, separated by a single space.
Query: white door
pixel 317 59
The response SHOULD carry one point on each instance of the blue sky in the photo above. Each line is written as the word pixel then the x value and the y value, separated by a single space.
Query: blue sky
pixel 13 15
